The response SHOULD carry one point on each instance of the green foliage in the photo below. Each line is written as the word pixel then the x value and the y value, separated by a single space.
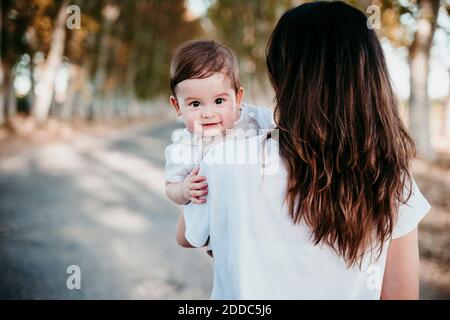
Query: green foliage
pixel 245 26
pixel 139 43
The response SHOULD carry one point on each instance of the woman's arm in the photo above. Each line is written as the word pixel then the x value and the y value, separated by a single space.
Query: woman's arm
pixel 401 276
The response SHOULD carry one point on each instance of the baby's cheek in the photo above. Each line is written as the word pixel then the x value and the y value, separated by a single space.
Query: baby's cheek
pixel 228 120
pixel 228 124
pixel 190 122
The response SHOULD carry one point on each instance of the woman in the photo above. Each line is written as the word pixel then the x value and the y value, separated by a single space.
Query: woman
pixel 337 217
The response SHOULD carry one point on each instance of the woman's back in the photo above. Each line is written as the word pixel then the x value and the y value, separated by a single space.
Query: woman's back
pixel 258 252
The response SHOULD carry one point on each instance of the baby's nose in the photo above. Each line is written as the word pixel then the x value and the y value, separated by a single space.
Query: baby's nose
pixel 207 111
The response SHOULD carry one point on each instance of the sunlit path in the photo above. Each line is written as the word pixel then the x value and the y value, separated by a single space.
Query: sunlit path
pixel 98 204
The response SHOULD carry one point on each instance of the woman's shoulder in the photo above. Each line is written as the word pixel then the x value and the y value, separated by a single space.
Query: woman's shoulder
pixel 263 116
pixel 234 150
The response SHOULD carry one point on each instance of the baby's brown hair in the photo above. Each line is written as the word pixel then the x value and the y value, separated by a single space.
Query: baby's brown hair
pixel 198 59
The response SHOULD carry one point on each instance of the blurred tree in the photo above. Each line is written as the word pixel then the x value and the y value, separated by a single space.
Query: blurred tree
pixel 132 60
pixel 121 53
pixel 412 24
pixel 110 13
pixel 2 111
pixel 16 16
pixel 447 101
pixel 245 26
pixel 419 56
pixel 447 112
pixel 156 37
pixel 80 52
pixel 57 34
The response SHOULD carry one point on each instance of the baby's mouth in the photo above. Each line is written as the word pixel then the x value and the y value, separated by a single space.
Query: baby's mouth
pixel 208 125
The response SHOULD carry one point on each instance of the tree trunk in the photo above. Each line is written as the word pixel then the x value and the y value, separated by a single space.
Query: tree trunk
pixel 129 81
pixel 419 56
pixel 2 79
pixel 43 99
pixel 2 109
pixel 67 107
pixel 2 94
pixel 447 114
pixel 9 94
pixel 83 96
pixel 110 14
pixel 11 100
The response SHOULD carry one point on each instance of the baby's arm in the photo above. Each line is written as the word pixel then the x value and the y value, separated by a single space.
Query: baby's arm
pixel 174 192
pixel 193 188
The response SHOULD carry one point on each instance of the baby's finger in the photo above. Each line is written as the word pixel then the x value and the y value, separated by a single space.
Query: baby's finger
pixel 198 178
pixel 197 200
pixel 199 193
pixel 199 185
pixel 194 171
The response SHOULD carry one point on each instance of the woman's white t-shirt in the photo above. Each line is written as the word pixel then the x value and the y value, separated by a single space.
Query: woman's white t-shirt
pixel 258 252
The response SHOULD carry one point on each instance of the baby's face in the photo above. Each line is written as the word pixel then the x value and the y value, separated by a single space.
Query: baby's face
pixel 208 106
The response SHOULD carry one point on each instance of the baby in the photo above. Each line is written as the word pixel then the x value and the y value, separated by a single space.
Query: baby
pixel 206 93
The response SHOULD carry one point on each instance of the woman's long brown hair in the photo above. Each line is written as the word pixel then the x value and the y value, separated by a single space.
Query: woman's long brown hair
pixel 341 139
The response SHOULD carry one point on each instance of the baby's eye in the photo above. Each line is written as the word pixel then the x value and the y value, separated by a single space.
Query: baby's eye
pixel 195 104
pixel 219 101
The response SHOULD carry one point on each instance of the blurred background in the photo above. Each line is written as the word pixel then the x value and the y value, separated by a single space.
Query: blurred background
pixel 85 118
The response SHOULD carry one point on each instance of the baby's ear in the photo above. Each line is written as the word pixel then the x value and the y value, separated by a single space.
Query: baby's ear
pixel 174 103
pixel 239 96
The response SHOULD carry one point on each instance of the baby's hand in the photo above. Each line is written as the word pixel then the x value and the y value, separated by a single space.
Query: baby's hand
pixel 194 187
